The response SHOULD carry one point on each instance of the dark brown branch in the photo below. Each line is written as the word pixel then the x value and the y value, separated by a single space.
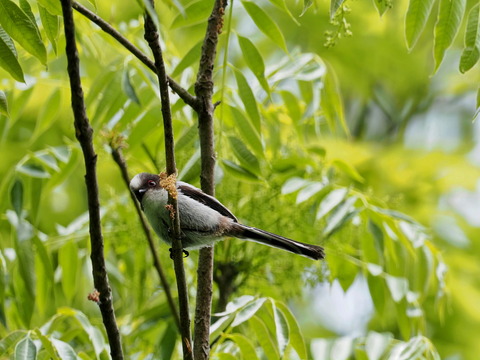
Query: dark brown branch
pixel 204 92
pixel 118 158
pixel 151 35
pixel 84 134
pixel 105 26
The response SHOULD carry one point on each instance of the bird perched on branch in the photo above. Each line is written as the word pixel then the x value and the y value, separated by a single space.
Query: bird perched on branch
pixel 203 219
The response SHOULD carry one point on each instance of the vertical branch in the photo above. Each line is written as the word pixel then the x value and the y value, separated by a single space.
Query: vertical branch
pixel 204 92
pixel 84 134
pixel 119 159
pixel 151 35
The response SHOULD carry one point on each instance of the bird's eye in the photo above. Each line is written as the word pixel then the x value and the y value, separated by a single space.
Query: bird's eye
pixel 151 183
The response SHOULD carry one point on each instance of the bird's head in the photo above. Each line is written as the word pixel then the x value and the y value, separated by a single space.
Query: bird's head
pixel 142 183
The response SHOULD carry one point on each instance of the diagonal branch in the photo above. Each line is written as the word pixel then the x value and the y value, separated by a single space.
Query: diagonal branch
pixel 84 134
pixel 204 92
pixel 151 35
pixel 109 29
pixel 119 159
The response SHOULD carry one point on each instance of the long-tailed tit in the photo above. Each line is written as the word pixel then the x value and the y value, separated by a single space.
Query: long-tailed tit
pixel 203 219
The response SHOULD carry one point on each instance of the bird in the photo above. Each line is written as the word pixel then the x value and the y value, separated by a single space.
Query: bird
pixel 203 219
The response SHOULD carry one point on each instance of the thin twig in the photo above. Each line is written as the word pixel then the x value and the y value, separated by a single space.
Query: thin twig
pixel 119 159
pixel 151 35
pixel 84 134
pixel 105 26
pixel 204 92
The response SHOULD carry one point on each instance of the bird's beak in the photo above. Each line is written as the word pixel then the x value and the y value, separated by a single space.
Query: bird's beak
pixel 139 194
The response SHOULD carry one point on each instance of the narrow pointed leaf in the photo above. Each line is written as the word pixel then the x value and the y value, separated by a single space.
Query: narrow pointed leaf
pixel 8 57
pixel 295 335
pixel 254 60
pixel 190 58
pixel 128 88
pixel 306 6
pixel 331 101
pixel 265 23
pixel 382 6
pixel 247 348
pixel 3 101
pixel 417 16
pixel 471 53
pixel 50 25
pixel 248 99
pixel 330 201
pixel 281 4
pixel 16 196
pixel 52 6
pixel 334 6
pixel 246 158
pixel 21 28
pixel 450 17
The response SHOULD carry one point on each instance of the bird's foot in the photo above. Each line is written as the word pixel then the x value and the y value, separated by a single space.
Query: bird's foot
pixel 185 253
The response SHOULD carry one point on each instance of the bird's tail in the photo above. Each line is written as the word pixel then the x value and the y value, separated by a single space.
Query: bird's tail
pixel 264 237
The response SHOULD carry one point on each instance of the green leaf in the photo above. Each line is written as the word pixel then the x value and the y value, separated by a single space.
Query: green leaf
pixel 449 19
pixel 306 6
pixel 21 28
pixel 3 100
pixel 10 340
pixel 64 350
pixel 248 311
pixel 68 261
pixel 246 158
pixel 376 344
pixel 27 9
pixel 417 16
pixel 25 350
pixel 190 58
pixel 294 184
pixel 281 329
pixel 264 338
pixel 310 190
pixel 47 345
pixel 398 287
pixel 48 114
pixel 254 61
pixel 382 6
pixel 334 6
pixel 265 23
pixel 50 24
pixel 281 4
pixel 348 169
pixel 45 279
pixel 340 216
pixel 331 101
pixel 248 99
pixel 237 170
pixel 247 348
pixel 8 61
pixel 471 52
pixel 54 7
pixel 330 201
pixel 127 87
pixel 247 131
pixel 16 197
pixel 195 13
pixel 295 335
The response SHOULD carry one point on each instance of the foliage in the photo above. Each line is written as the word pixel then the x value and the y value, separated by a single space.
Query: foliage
pixel 287 163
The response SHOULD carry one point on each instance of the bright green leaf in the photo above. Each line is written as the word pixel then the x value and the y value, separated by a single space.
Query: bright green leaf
pixel 306 5
pixel 294 184
pixel 281 4
pixel 471 52
pixel 417 16
pixel 50 24
pixel 282 330
pixel 54 7
pixel 128 88
pixel 247 131
pixel 246 158
pixel 25 350
pixel 9 61
pixel 254 60
pixel 382 6
pixel 64 350
pixel 265 23
pixel 195 13
pixel 295 335
pixel 449 19
pixel 330 201
pixel 190 59
pixel 240 171
pixel 10 340
pixel 68 261
pixel 334 6
pixel 16 197
pixel 19 26
pixel 331 101
pixel 264 338
pixel 248 99
pixel 246 346
pixel 250 309
pixel 348 169
pixel 340 215
pixel 310 190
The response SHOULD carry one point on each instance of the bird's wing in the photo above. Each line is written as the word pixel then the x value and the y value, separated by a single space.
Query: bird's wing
pixel 200 196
